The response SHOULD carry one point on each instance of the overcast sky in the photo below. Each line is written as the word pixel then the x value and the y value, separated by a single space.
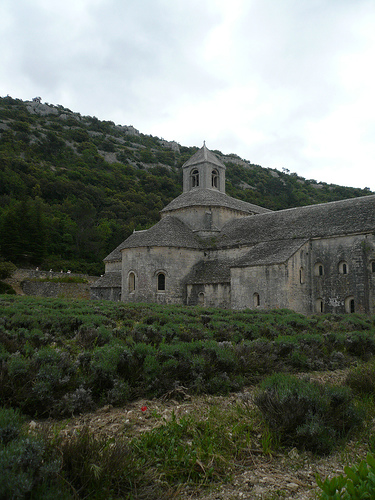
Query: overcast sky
pixel 281 83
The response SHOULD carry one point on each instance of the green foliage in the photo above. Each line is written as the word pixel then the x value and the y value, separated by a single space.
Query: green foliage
pixel 187 450
pixel 6 270
pixel 28 468
pixel 64 279
pixel 92 465
pixel 307 415
pixel 66 204
pixel 361 379
pixel 358 483
pixel 10 425
pixel 60 357
pixel 6 289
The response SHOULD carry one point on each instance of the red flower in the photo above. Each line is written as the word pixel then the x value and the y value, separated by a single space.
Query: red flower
pixel 144 408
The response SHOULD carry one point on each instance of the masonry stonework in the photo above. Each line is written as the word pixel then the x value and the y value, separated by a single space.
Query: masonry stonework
pixel 213 250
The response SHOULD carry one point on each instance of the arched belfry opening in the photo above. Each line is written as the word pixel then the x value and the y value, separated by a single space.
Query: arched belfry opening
pixel 194 177
pixel 203 170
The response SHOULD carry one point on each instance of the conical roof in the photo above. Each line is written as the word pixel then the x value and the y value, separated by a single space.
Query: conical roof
pixel 203 155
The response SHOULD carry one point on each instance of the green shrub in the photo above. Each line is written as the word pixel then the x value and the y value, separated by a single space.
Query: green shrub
pixel 187 450
pixel 10 424
pixel 360 343
pixel 28 469
pixel 62 279
pixel 357 484
pixel 6 270
pixel 95 467
pixel 6 289
pixel 361 379
pixel 78 401
pixel 306 415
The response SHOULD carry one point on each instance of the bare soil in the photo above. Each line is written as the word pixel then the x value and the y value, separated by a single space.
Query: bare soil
pixel 290 474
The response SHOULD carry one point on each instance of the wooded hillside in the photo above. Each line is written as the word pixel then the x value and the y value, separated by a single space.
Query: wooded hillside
pixel 73 187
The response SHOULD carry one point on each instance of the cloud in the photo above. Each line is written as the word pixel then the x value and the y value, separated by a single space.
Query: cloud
pixel 283 84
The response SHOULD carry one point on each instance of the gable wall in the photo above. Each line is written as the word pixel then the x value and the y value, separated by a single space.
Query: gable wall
pixel 146 262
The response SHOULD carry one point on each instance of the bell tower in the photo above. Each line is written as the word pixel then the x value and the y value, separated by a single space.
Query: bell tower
pixel 203 171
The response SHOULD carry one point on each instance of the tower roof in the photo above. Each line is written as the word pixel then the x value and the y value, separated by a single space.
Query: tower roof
pixel 203 155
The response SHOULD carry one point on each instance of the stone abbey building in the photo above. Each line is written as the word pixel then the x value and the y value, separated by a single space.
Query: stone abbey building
pixel 214 250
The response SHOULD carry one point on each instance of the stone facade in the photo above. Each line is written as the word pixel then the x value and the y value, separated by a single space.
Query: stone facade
pixel 213 250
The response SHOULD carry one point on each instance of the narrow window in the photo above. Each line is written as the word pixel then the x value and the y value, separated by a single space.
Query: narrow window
pixel 318 269
pixel 215 179
pixel 319 305
pixel 201 298
pixel 194 178
pixel 161 282
pixel 349 304
pixel 131 282
pixel 373 266
pixel 301 276
pixel 343 267
pixel 256 298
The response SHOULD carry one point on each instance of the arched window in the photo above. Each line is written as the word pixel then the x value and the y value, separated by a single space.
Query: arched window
pixel 318 269
pixel 256 300
pixel 319 305
pixel 373 266
pixel 215 178
pixel 343 267
pixel 194 178
pixel 161 282
pixel 131 282
pixel 201 298
pixel 349 304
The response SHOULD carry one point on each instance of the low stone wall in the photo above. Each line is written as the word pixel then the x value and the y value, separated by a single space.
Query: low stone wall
pixel 24 282
pixel 61 290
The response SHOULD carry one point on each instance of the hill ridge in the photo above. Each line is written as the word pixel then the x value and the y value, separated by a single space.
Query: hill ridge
pixel 73 187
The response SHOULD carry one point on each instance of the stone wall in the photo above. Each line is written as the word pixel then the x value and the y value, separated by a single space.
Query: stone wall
pixel 146 263
pixel 24 282
pixel 60 290
pixel 336 284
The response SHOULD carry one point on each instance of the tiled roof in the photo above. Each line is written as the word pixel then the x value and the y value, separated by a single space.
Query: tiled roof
pixel 115 255
pixel 269 252
pixel 356 215
pixel 212 198
pixel 203 155
pixel 108 280
pixel 168 232
pixel 209 271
